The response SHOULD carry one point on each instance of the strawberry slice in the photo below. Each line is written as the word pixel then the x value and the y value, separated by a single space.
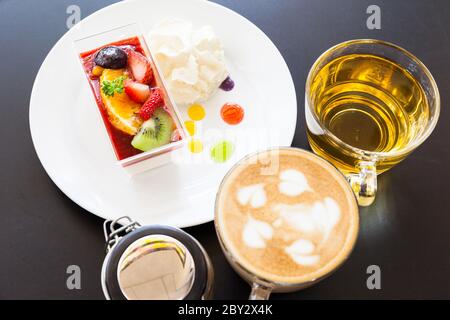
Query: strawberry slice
pixel 156 100
pixel 138 92
pixel 140 67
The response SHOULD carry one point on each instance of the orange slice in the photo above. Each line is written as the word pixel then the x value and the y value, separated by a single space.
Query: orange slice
pixel 122 111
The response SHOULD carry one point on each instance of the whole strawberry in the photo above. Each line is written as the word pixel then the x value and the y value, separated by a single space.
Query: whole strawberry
pixel 155 101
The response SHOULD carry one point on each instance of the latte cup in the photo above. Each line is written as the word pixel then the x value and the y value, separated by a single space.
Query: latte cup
pixel 288 234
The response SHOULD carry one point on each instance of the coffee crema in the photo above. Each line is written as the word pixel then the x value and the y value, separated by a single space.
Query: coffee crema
pixel 286 216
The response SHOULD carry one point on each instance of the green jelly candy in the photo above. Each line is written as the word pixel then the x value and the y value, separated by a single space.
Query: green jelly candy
pixel 222 151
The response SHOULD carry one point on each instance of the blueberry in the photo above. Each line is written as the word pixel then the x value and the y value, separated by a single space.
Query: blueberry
pixel 111 58
pixel 227 84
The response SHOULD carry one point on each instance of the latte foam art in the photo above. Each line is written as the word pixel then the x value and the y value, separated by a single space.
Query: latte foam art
pixel 254 194
pixel 256 233
pixel 317 219
pixel 320 217
pixel 301 251
pixel 293 182
pixel 293 223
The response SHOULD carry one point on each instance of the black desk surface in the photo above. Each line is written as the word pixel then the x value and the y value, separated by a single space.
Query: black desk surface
pixel 406 232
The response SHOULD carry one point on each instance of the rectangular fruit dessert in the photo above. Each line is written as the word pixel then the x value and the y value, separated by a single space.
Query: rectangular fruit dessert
pixel 138 114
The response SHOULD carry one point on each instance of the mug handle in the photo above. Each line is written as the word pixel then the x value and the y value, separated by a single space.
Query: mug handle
pixel 259 292
pixel 364 183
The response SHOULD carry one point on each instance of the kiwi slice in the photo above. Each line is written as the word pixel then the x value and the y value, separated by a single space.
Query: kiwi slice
pixel 155 132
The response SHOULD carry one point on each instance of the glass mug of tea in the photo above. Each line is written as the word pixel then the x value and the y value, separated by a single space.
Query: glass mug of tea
pixel 368 104
pixel 285 219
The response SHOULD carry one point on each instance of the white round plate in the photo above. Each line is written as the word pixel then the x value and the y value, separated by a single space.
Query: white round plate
pixel 72 143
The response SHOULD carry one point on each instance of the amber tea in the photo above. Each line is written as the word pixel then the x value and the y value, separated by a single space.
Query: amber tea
pixel 368 102
pixel 368 105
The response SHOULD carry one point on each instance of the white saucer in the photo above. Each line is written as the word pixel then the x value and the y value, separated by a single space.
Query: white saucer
pixel 73 146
